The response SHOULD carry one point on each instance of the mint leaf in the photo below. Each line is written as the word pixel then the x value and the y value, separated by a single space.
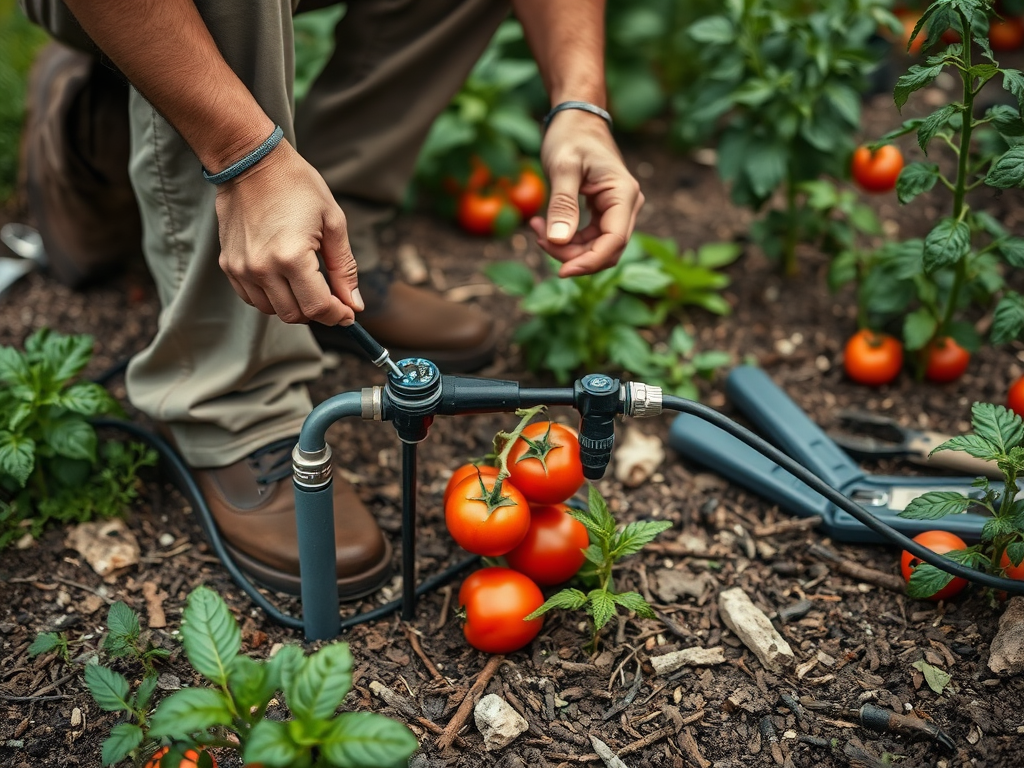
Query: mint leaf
pixel 72 438
pixel 367 740
pixel 269 743
pixel 17 457
pixel 317 688
pixel 250 682
pixel 210 634
pixel 935 504
pixel 44 643
pixel 123 621
pixel 1008 170
pixel 108 688
pixel 124 737
pixel 189 711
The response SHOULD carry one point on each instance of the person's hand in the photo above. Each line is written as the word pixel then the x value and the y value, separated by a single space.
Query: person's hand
pixel 274 219
pixel 580 157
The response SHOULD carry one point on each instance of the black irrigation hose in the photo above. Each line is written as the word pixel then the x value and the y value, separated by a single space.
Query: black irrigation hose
pixel 187 484
pixel 683 405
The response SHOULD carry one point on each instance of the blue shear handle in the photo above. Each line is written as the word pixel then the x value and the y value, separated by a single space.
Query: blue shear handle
pixel 706 444
pixel 786 425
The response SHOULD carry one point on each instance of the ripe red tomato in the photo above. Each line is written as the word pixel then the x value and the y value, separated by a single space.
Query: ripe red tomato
pixel 878 171
pixel 1015 397
pixel 939 542
pixel 482 530
pixel 552 551
pixel 191 758
pixel 945 360
pixel 1006 34
pixel 1010 570
pixel 873 358
pixel 545 465
pixel 496 600
pixel 529 193
pixel 467 470
pixel 483 212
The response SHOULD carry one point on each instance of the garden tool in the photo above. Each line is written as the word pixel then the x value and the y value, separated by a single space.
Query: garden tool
pixel 25 243
pixel 787 426
pixel 867 436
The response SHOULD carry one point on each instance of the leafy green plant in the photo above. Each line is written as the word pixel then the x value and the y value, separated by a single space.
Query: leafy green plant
pixel 608 546
pixel 314 43
pixel 53 468
pixel 589 322
pixel 232 714
pixel 999 437
pixel 19 42
pixel 960 262
pixel 489 120
pixel 786 77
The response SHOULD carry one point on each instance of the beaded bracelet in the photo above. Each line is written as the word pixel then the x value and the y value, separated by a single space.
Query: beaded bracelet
pixel 248 161
pixel 586 106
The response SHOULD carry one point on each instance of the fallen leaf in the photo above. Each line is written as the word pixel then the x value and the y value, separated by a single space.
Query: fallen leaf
pixel 937 679
pixel 107 545
pixel 637 456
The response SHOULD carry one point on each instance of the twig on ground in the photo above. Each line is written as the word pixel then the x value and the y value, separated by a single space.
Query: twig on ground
pixel 408 708
pixel 442 619
pixel 414 641
pixel 451 730
pixel 857 571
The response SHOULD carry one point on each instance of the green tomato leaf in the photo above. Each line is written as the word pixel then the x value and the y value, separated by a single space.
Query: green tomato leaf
pixel 636 536
pixel 123 738
pixel 87 399
pixel 1015 553
pixel 44 643
pixel 975 445
pixel 601 607
pixel 633 601
pixel 566 599
pixel 210 635
pixel 926 580
pixel 1008 170
pixel 67 355
pixel 997 424
pixel 1007 325
pixel 716 30
pixel 269 743
pixel 916 179
pixel 917 77
pixel 122 621
pixel 367 740
pixel 946 244
pixel 108 688
pixel 145 691
pixel 935 123
pixel 935 504
pixel 72 437
pixel 1013 81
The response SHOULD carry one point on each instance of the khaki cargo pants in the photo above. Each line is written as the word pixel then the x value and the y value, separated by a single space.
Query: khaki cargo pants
pixel 224 377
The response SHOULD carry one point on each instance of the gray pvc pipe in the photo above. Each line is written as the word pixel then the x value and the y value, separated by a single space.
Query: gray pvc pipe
pixel 314 517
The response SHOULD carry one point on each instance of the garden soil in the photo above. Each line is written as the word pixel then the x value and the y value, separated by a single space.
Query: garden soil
pixel 855 642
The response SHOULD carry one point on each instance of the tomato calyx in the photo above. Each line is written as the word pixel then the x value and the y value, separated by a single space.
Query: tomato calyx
pixel 538 448
pixel 494 499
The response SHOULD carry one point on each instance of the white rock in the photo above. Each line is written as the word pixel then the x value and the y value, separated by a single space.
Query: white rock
pixel 499 723
pixel 1007 649
pixel 755 630
pixel 688 657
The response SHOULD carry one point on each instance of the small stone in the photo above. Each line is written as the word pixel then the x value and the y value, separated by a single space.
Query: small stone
pixel 1007 648
pixel 165 539
pixel 498 722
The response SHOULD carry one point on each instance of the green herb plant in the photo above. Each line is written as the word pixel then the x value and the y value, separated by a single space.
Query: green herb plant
pixel 592 321
pixel 233 712
pixel 960 263
pixel 53 468
pixel 785 78
pixel 998 436
pixel 608 546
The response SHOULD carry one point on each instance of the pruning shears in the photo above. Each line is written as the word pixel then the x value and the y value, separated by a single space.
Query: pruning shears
pixel 783 423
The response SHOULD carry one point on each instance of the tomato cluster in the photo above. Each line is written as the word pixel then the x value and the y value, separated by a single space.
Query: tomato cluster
pixel 875 358
pixel 939 542
pixel 525 521
pixel 489 206
pixel 190 759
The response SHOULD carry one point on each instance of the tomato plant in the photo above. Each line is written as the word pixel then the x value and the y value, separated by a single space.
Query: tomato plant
pixel 467 470
pixel 496 601
pixel 872 358
pixel 1015 397
pixel 191 759
pixel 544 463
pixel 939 542
pixel 487 517
pixel 945 360
pixel 1006 34
pixel 529 193
pixel 876 171
pixel 552 551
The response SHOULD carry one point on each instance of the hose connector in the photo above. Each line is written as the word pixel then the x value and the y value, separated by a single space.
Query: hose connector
pixel 312 469
pixel 642 400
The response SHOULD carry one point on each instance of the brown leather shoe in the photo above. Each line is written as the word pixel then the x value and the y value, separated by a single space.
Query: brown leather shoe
pixel 414 322
pixel 253 503
pixel 75 165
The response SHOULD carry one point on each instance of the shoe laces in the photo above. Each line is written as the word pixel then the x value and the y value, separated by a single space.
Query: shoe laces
pixel 273 461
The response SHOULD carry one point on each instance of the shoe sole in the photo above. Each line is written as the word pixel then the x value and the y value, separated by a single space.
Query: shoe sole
pixel 447 361
pixel 350 588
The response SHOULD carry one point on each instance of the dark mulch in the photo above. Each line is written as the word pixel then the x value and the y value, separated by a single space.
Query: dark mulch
pixel 865 638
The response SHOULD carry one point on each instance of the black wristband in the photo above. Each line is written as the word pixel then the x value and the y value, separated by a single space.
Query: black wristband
pixel 248 161
pixel 586 106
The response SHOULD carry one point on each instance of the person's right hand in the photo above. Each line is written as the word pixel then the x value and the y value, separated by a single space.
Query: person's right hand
pixel 274 219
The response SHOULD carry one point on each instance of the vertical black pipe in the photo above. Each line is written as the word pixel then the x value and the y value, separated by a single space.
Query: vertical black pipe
pixel 314 509
pixel 408 531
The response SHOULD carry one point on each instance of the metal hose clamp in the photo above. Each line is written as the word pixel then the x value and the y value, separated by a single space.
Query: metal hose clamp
pixel 312 469
pixel 643 400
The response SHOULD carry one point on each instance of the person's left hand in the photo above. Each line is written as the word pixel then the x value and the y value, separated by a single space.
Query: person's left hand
pixel 580 158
